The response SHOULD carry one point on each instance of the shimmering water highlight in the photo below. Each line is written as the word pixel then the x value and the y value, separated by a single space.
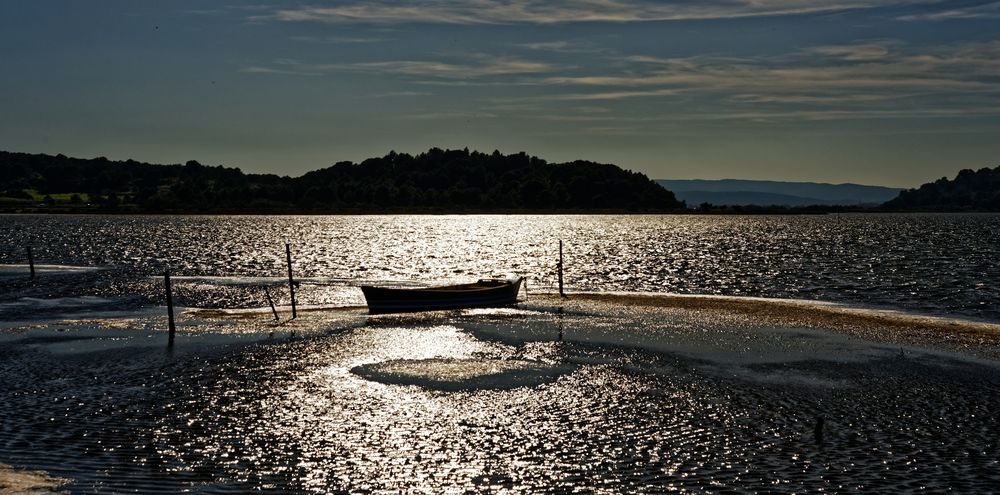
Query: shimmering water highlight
pixel 941 264
pixel 618 398
pixel 636 391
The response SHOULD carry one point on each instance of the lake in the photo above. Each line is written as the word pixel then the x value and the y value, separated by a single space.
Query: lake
pixel 778 354
pixel 936 264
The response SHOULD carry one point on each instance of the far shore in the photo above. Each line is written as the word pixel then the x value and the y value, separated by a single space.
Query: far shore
pixel 745 210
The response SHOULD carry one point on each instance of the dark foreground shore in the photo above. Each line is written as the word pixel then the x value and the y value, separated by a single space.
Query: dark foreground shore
pixel 603 393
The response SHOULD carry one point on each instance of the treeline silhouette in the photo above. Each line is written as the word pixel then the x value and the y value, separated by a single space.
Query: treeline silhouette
pixel 970 190
pixel 435 181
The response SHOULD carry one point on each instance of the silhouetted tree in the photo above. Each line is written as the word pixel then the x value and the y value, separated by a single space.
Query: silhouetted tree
pixel 437 180
pixel 970 191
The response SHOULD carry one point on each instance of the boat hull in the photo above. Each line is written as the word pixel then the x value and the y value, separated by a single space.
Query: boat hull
pixel 393 300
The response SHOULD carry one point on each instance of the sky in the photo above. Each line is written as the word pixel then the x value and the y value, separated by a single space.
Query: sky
pixel 886 92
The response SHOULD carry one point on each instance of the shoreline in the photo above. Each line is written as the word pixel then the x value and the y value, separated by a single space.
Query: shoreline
pixel 695 367
pixel 742 211
pixel 886 325
pixel 29 482
pixel 876 323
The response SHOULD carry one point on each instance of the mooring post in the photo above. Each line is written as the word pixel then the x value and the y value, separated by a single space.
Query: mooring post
pixel 291 283
pixel 271 302
pixel 561 294
pixel 31 262
pixel 170 309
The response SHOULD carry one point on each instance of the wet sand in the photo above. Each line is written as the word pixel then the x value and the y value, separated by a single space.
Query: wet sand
pixel 605 393
pixel 977 338
pixel 15 482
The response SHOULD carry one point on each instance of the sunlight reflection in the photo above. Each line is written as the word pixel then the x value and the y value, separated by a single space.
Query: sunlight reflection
pixel 628 398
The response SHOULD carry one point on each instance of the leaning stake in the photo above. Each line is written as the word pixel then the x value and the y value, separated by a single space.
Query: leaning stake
pixel 170 309
pixel 291 283
pixel 31 262
pixel 271 302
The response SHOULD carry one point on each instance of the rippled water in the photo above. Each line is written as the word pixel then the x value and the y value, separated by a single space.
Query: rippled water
pixel 594 399
pixel 592 394
pixel 944 264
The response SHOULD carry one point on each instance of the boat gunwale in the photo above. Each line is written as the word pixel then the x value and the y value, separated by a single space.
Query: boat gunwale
pixel 387 300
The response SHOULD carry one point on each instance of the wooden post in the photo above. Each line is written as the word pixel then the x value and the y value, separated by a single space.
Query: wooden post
pixel 170 309
pixel 271 302
pixel 561 294
pixel 291 283
pixel 31 262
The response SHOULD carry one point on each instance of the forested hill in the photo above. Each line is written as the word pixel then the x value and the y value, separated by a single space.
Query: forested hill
pixel 435 181
pixel 971 190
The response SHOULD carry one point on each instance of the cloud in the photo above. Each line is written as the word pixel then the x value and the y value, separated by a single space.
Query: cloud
pixel 470 67
pixel 272 70
pixel 880 79
pixel 985 11
pixel 400 94
pixel 336 39
pixel 553 46
pixel 448 116
pixel 820 71
pixel 483 67
pixel 857 52
pixel 816 99
pixel 866 79
pixel 848 114
pixel 615 95
pixel 562 46
pixel 563 11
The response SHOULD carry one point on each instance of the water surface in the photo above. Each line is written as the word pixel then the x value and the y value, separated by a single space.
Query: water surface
pixel 581 397
pixel 598 393
pixel 940 264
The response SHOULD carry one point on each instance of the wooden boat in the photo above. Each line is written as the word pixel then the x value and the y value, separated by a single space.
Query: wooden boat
pixel 484 293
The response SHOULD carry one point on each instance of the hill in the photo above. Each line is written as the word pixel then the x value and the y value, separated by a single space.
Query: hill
pixel 970 190
pixel 435 181
pixel 767 193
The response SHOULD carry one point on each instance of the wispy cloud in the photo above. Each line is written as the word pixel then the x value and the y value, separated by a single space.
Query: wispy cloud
pixel 562 11
pixel 272 70
pixel 881 79
pixel 848 114
pixel 554 46
pixel 615 95
pixel 337 39
pixel 852 67
pixel 448 116
pixel 857 52
pixel 815 99
pixel 470 67
pixel 400 94
pixel 562 46
pixel 985 11
pixel 484 66
pixel 867 79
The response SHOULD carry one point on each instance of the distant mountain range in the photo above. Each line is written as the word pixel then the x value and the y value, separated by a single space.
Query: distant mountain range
pixel 770 193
